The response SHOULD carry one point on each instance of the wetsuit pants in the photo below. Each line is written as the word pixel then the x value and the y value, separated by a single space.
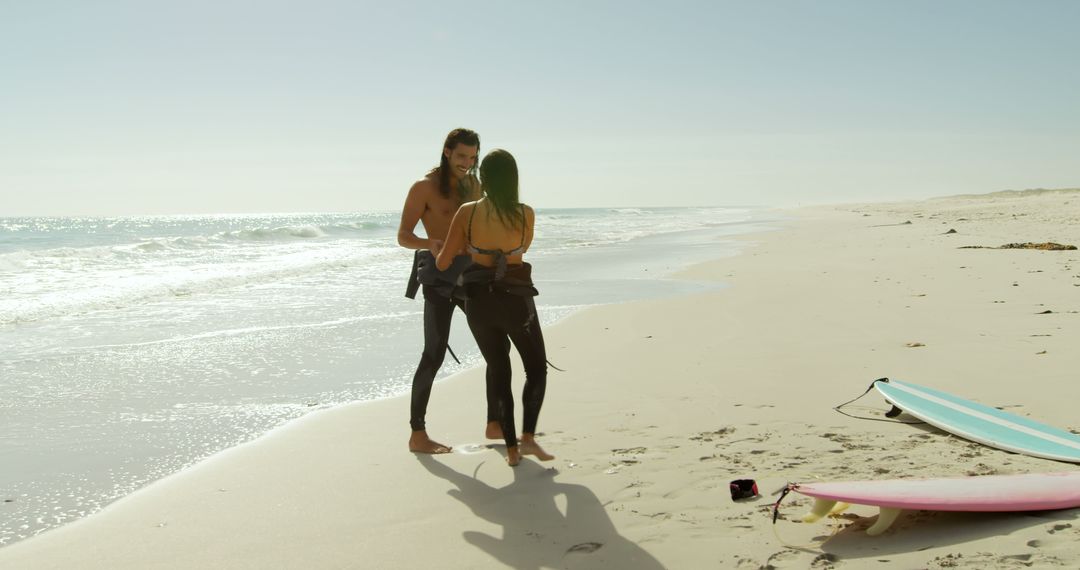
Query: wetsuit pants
pixel 437 313
pixel 496 319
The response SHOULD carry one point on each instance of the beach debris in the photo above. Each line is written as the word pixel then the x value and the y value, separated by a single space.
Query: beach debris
pixel 914 344
pixel 1048 246
pixel 629 450
pixel 951 231
pixel 1044 246
pixel 1046 312
pixel 585 548
pixel 1040 352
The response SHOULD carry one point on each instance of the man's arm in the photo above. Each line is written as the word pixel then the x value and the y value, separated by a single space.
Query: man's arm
pixel 415 204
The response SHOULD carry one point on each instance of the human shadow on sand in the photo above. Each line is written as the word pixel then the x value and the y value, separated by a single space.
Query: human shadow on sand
pixel 535 532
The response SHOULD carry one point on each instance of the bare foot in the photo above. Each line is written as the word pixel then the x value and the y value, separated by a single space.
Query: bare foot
pixel 493 430
pixel 419 442
pixel 513 457
pixel 529 446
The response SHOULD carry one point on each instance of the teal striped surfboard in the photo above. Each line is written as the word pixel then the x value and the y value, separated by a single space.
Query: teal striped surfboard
pixel 983 424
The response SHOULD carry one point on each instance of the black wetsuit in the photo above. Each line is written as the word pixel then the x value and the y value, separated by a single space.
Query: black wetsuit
pixel 440 298
pixel 500 309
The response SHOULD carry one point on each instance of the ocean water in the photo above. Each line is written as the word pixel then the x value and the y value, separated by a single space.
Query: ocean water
pixel 131 348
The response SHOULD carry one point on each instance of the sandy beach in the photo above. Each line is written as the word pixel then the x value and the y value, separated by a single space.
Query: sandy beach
pixel 661 404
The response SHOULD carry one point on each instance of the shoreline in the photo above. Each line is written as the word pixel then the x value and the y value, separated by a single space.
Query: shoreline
pixel 229 397
pixel 663 402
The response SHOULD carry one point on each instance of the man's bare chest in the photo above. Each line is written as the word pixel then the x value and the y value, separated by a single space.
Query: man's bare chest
pixel 437 216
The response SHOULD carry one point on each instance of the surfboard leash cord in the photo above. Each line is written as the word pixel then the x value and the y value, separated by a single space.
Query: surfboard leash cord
pixel 776 514
pixel 783 493
pixel 895 411
pixel 454 356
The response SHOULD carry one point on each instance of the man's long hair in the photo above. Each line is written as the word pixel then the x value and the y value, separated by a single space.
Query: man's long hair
pixel 456 137
pixel 499 181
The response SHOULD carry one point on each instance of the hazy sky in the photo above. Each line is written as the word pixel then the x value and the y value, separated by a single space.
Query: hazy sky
pixel 199 106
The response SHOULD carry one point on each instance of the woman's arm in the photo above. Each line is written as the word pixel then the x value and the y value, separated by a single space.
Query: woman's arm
pixel 455 238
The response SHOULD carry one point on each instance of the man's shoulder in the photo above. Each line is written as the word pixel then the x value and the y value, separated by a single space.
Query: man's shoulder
pixel 426 184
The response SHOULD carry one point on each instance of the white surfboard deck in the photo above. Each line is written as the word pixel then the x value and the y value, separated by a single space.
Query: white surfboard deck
pixel 989 493
pixel 980 423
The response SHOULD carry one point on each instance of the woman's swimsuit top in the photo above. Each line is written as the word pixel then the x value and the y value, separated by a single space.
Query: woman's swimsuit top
pixel 499 255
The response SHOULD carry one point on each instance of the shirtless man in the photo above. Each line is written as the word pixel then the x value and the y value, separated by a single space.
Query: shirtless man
pixel 433 201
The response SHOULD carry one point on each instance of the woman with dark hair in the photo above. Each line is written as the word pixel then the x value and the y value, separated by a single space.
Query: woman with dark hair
pixel 496 231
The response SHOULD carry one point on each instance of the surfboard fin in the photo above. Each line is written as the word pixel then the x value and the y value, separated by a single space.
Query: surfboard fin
pixel 895 411
pixel 821 508
pixel 840 507
pixel 885 519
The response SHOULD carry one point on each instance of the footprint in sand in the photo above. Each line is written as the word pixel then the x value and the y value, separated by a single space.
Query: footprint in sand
pixel 991 560
pixel 982 469
pixel 711 435
pixel 778 557
pixel 746 563
pixel 469 448
pixel 824 560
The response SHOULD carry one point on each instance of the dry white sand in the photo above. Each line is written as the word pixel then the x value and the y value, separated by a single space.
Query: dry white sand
pixel 662 404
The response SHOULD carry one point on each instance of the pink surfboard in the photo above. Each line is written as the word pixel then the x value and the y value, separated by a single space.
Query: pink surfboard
pixel 997 493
